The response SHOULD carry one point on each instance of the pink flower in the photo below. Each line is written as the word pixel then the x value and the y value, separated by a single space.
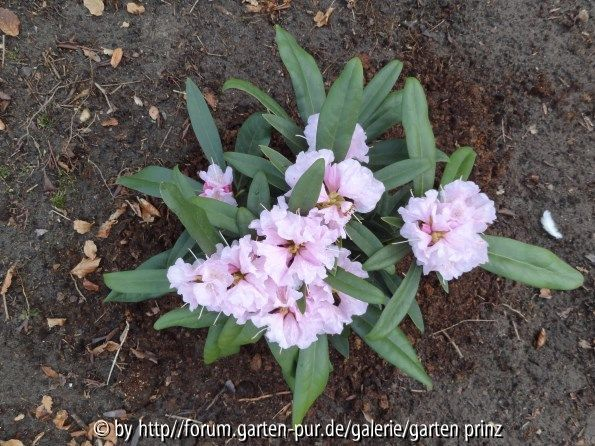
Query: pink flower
pixel 295 248
pixel 357 149
pixel 348 187
pixel 218 185
pixel 443 228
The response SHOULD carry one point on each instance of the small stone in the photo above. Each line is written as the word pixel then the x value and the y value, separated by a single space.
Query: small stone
pixel 583 16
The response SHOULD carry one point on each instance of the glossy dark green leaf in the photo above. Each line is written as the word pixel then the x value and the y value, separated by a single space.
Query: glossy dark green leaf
pixel 306 191
pixel 291 133
pixel 532 265
pixel 192 217
pixel 220 214
pixel 396 222
pixel 383 153
pixel 388 255
pixel 386 116
pixel 254 132
pixel 305 76
pixel 250 165
pixel 279 161
pixel 139 281
pixel 340 111
pixel 247 87
pixel 259 194
pixel 287 358
pixel 183 317
pixel 398 305
pixel 244 218
pixel 148 180
pixel 414 312
pixel 234 334
pixel 355 287
pixel 181 248
pixel 459 165
pixel 203 124
pixel 418 133
pixel 212 351
pixel 378 89
pixel 181 181
pixel 340 342
pixel 395 348
pixel 311 376
pixel 402 172
pixel 363 238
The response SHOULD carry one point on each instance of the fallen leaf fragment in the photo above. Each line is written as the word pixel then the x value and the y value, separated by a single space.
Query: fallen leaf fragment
pixel 545 293
pixel 148 211
pixel 56 322
pixel 211 99
pixel 95 7
pixel 19 417
pixel 541 338
pixel 60 420
pixel 109 122
pixel 153 112
pixel 90 249
pixel 106 227
pixel 91 55
pixel 9 22
pixel 144 355
pixel 45 408
pixel 109 346
pixel 12 443
pixel 138 101
pixel 135 8
pixel 8 279
pixel 583 343
pixel 82 226
pixel 49 372
pixel 321 18
pixel 2 126
pixel 85 115
pixel 116 57
pixel 90 286
pixel 85 266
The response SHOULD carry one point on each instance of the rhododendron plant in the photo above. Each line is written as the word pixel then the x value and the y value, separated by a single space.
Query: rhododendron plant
pixel 304 245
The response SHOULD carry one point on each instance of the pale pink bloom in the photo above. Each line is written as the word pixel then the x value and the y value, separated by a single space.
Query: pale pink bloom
pixel 218 184
pixel 295 248
pixel 443 229
pixel 357 149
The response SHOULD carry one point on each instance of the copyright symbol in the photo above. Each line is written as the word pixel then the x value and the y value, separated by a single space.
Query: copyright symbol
pixel 101 428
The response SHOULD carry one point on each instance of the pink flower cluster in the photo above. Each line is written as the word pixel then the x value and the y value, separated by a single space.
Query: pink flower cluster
pixel 443 228
pixel 218 184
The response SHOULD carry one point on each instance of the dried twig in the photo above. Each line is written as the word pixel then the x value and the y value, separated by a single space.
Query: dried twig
pixel 461 322
pixel 111 108
pixel 3 50
pixel 516 311
pixel 262 397
pixel 452 342
pixel 5 286
pixel 123 337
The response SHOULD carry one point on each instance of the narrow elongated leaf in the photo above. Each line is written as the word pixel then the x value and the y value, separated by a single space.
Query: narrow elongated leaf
pixel 244 218
pixel 378 89
pixel 183 317
pixel 396 222
pixel 383 153
pixel 305 76
pixel 395 348
pixel 311 376
pixel 181 248
pixel 530 264
pixel 418 133
pixel 443 282
pixel 459 165
pixel 148 180
pixel 250 165
pixel 279 161
pixel 414 312
pixel 402 172
pixel 138 281
pixel 259 194
pixel 181 181
pixel 192 217
pixel 291 133
pixel 441 157
pixel 287 358
pixel 220 215
pixel 203 124
pixel 363 238
pixel 398 306
pixel 340 342
pixel 234 334
pixel 355 287
pixel 387 115
pixel 306 191
pixel 159 261
pixel 388 255
pixel 254 132
pixel 247 87
pixel 387 204
pixel 212 351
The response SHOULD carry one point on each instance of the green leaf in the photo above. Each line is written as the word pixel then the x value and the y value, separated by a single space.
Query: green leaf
pixel 220 214
pixel 395 348
pixel 192 217
pixel 182 182
pixel 305 76
pixel 244 218
pixel 402 172
pixel 311 376
pixel 159 261
pixel 396 222
pixel 255 131
pixel 414 312
pixel 341 342
pixel 459 165
pixel 279 161
pixel 387 204
pixel 182 247
pixel 378 89
pixel 443 282
pixel 388 255
pixel 441 157
pixel 234 334
pixel 183 317
pixel 203 125
pixel 291 133
pixel 148 180
pixel 212 351
pixel 139 281
pixel 259 194
pixel 339 112
pixel 306 191
pixel 383 153
pixel 418 133
pixel 355 287
pixel 247 87
pixel 530 264
pixel 363 238
pixel 287 359
pixel 250 165
pixel 387 115
pixel 398 305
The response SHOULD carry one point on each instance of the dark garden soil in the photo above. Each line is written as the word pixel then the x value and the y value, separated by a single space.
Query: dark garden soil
pixel 514 79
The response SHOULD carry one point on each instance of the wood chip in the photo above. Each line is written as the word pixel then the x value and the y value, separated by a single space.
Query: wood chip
pixel 109 346
pixel 8 279
pixel 60 420
pixel 19 417
pixel 56 322
pixel 148 211
pixel 85 115
pixel 49 372
pixel 90 249
pixel 540 338
pixel 106 227
pixel 545 293
pixel 82 226
pixel 92 55
pixel 95 7
pixel 12 443
pixel 90 286
pixel 116 57
pixel 85 266
pixel 2 125
pixel 9 23
pixel 154 113
pixel 321 18
pixel 211 99
pixel 45 408
pixel 109 122
pixel 135 8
